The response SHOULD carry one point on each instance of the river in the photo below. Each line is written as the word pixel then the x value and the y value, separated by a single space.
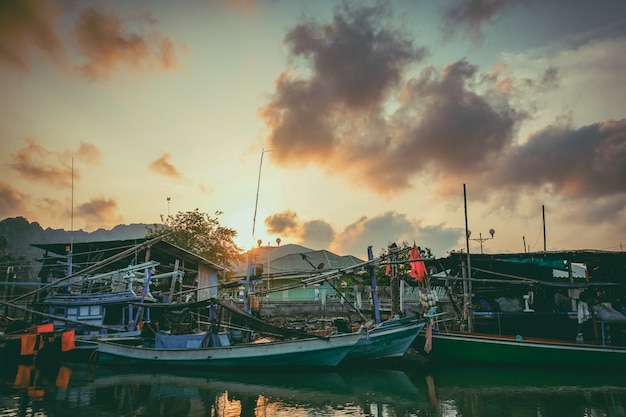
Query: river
pixel 401 388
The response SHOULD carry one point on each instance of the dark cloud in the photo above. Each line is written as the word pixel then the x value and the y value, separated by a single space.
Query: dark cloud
pixel 469 15
pixel 316 234
pixel 106 42
pixel 99 212
pixel 12 201
pixel 356 62
pixel 355 58
pixel 378 232
pixel 284 223
pixel 446 128
pixel 574 162
pixel 162 166
pixel 345 117
pixel 26 24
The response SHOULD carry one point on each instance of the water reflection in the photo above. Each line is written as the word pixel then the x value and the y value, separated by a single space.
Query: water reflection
pixel 80 389
pixel 488 391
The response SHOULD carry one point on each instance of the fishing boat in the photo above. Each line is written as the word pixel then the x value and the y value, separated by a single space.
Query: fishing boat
pixel 217 333
pixel 389 339
pixel 588 333
pixel 447 346
pixel 561 320
pixel 312 352
pixel 94 304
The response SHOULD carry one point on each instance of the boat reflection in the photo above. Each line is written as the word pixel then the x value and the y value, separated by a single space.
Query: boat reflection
pixel 420 391
pixel 139 392
pixel 490 391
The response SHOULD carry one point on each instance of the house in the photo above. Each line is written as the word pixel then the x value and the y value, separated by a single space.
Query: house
pixel 200 273
pixel 281 273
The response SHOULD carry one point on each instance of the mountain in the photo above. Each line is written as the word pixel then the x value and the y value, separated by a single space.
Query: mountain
pixel 19 233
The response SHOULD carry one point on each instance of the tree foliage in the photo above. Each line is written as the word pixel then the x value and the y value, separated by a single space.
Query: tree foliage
pixel 201 234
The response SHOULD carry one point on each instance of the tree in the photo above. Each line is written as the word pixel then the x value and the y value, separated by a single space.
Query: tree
pixel 201 234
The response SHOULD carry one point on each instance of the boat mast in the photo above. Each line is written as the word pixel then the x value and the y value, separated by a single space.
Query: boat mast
pixel 467 283
pixel 71 247
pixel 543 220
pixel 246 304
pixel 370 258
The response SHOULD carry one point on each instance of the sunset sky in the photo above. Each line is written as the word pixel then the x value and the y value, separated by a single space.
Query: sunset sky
pixel 373 116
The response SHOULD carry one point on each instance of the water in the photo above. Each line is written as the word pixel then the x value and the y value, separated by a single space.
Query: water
pixel 408 389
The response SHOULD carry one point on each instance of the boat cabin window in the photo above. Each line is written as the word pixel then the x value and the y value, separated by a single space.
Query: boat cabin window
pixel 58 311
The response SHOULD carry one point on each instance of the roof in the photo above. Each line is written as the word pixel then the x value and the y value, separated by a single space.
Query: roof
pixel 89 253
pixel 602 266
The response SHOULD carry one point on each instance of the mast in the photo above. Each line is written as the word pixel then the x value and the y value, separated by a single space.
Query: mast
pixel 70 249
pixel 467 283
pixel 246 303
pixel 543 221
pixel 370 257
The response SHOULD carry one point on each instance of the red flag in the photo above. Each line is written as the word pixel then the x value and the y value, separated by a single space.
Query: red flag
pixel 418 269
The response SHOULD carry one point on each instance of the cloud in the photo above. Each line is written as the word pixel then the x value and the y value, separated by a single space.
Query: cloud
pixel 99 212
pixel 88 152
pixel 317 234
pixel 575 162
pixel 12 201
pixel 36 163
pixel 470 15
pixel 162 166
pixel 356 63
pixel 106 43
pixel 446 124
pixel 26 24
pixel 379 232
pixel 451 124
pixel 391 226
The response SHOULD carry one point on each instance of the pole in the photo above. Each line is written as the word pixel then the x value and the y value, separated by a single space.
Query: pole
pixel 543 216
pixel 258 184
pixel 246 304
pixel 370 257
pixel 467 289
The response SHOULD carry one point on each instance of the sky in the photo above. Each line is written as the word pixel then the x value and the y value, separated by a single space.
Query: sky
pixel 330 124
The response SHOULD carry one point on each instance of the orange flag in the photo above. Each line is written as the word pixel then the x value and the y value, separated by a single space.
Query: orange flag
pixel 418 269
pixel 45 328
pixel 29 342
pixel 67 341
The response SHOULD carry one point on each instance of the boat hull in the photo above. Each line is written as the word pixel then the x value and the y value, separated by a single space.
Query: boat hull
pixel 387 341
pixel 472 348
pixel 312 352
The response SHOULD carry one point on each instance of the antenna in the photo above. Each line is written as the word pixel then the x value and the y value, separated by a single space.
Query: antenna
pixel 258 184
